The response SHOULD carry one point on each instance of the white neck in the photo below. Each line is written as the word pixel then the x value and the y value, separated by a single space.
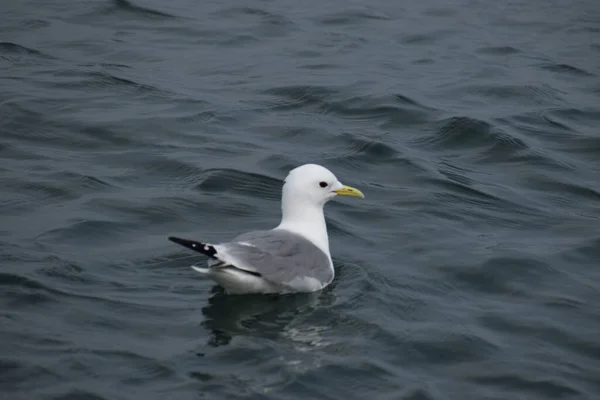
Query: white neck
pixel 307 220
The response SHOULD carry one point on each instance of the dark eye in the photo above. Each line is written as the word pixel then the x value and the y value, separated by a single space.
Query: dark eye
pixel 323 184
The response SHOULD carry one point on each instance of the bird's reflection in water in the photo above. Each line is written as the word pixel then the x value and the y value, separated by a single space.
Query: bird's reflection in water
pixel 269 316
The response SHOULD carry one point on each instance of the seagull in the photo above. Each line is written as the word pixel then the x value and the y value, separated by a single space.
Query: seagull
pixel 293 257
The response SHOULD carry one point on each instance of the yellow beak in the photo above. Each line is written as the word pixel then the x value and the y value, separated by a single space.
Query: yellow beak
pixel 350 191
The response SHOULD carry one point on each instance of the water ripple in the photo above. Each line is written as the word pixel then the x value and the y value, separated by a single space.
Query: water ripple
pixel 138 10
pixel 240 182
pixel 549 388
pixel 15 52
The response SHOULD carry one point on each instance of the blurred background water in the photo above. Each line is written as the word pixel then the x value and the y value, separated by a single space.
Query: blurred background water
pixel 470 270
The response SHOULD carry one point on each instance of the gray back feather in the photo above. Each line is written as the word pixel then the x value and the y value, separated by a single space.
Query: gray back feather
pixel 280 256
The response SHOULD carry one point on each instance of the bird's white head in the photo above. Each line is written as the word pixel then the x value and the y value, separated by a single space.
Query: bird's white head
pixel 306 190
pixel 315 185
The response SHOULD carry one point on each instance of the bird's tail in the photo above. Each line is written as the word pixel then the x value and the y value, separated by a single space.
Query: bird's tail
pixel 203 248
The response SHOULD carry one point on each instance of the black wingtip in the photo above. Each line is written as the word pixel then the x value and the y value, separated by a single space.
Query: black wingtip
pixel 177 240
pixel 193 245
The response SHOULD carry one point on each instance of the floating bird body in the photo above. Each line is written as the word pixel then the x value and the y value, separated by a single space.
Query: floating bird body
pixel 294 256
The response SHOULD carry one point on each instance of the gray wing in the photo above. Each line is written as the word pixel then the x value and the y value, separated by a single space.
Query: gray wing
pixel 278 256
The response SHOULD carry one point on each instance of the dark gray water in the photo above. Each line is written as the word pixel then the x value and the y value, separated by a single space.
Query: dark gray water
pixel 470 271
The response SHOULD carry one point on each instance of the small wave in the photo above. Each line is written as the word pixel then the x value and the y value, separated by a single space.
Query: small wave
pixel 392 111
pixel 162 168
pixel 218 180
pixel 107 65
pixel 11 50
pixel 36 23
pixel 552 119
pixel 464 188
pixel 266 17
pixel 408 101
pixel 426 38
pixel 130 6
pixel 546 387
pixel 20 281
pixel 299 96
pixel 103 136
pixel 517 94
pixel 461 132
pixel 317 66
pixel 564 302
pixel 470 133
pixel 79 181
pixel 367 149
pixel 27 291
pixel 566 69
pixel 486 143
pixel 498 50
pixel 53 136
pixel 586 253
pixel 110 79
pixel 148 212
pixel 78 79
pixel 31 192
pixel 86 230
pixel 578 118
pixel 251 25
pixel 62 270
pixel 17 152
pixel 563 193
pixel 17 371
pixel 355 16
pixel 78 394
pixel 556 133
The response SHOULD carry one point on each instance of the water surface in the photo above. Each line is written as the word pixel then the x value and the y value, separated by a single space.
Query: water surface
pixel 469 271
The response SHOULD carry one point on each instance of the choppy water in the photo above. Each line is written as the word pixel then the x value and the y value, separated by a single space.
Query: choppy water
pixel 470 271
